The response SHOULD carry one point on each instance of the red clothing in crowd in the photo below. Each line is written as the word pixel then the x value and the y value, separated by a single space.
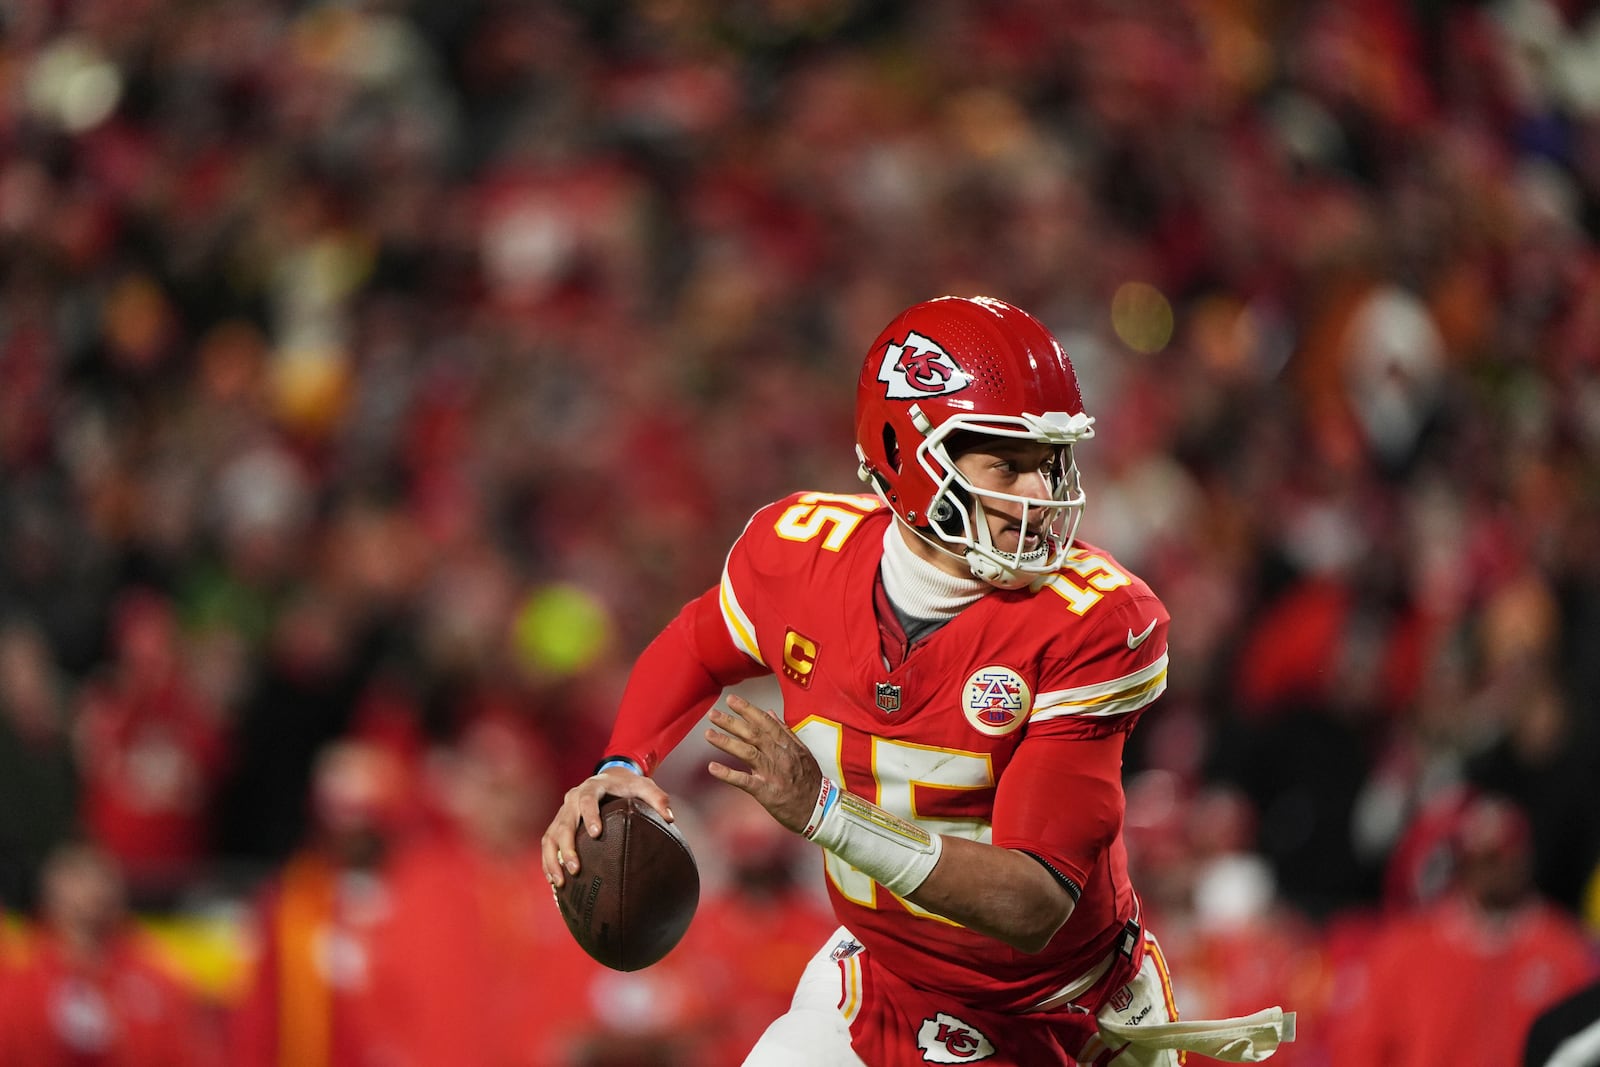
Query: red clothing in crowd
pixel 119 1012
pixel 1233 970
pixel 151 750
pixel 483 967
pixel 749 951
pixel 317 995
pixel 1450 986
pixel 150 760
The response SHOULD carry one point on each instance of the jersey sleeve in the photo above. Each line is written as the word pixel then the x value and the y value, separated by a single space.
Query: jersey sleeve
pixel 1061 797
pixel 712 644
pixel 1103 681
pixel 676 678
pixel 1060 800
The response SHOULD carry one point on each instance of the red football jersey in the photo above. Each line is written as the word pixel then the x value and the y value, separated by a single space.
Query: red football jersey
pixel 1004 726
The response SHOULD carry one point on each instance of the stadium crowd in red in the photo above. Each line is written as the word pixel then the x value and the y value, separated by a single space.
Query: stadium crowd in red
pixel 376 378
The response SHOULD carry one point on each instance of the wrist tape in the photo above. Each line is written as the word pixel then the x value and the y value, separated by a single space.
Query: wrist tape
pixel 896 854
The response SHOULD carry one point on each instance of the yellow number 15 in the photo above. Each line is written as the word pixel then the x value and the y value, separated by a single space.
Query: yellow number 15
pixel 831 516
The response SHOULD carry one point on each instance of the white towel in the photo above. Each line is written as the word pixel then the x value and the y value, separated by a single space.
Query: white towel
pixel 1245 1039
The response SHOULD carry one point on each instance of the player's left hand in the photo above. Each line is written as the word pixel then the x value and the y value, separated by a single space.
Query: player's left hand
pixel 783 774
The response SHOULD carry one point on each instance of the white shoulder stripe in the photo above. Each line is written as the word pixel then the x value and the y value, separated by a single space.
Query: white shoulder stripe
pixel 740 628
pixel 1103 699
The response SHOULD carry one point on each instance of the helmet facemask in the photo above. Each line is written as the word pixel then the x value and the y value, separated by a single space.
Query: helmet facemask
pixel 957 519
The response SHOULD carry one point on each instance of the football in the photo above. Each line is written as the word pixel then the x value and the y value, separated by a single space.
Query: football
pixel 636 889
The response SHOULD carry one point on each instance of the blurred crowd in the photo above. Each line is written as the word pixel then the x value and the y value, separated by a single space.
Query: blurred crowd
pixel 377 377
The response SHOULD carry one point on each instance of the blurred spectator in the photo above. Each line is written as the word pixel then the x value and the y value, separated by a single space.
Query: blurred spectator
pixel 151 753
pixel 306 690
pixel 1233 943
pixel 313 998
pixel 1461 979
pixel 480 963
pixel 88 989
pixel 38 780
pixel 1538 749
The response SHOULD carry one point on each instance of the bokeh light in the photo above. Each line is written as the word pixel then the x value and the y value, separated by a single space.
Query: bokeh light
pixel 560 630
pixel 1141 317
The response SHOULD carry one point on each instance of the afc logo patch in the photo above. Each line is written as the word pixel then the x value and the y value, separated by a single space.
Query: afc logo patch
pixel 946 1039
pixel 919 367
pixel 996 700
pixel 799 658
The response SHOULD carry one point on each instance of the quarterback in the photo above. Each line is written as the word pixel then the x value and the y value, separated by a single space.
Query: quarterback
pixel 959 675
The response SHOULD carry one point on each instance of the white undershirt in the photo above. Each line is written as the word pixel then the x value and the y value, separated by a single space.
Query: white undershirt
pixel 918 588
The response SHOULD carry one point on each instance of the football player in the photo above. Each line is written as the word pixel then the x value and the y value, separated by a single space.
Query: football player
pixel 959 676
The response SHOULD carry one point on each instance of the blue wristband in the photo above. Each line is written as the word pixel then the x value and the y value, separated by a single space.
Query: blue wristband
pixel 827 798
pixel 832 801
pixel 618 761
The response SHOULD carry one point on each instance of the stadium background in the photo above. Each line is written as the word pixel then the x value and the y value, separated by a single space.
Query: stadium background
pixel 376 378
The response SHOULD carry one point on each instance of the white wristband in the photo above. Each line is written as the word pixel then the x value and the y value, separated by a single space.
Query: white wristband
pixel 897 854
pixel 827 797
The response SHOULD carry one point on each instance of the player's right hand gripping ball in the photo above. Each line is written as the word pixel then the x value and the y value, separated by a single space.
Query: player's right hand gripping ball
pixel 636 888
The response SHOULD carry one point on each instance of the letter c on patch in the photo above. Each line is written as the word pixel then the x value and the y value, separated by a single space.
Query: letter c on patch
pixel 799 658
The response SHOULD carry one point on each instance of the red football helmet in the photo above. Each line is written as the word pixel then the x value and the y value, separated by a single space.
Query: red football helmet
pixel 979 365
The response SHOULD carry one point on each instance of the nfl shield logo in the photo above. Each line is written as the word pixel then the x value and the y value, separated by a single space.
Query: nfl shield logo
pixel 888 697
pixel 845 949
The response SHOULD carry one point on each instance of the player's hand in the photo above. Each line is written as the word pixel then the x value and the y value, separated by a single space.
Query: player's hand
pixel 783 774
pixel 581 807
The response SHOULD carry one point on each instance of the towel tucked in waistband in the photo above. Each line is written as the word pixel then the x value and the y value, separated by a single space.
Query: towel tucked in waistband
pixel 1244 1039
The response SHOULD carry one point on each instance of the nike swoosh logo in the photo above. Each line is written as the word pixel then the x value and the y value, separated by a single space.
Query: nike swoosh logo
pixel 1135 642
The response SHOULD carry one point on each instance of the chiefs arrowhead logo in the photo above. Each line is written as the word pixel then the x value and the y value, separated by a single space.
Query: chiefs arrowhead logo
pixel 946 1039
pixel 918 367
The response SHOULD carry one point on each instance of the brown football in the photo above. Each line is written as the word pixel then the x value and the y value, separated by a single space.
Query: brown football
pixel 636 888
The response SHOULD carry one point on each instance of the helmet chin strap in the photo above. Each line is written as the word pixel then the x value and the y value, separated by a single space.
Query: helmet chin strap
pixel 996 574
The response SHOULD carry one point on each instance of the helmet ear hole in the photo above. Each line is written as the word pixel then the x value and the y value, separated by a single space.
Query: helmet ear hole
pixel 944 514
pixel 891 447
